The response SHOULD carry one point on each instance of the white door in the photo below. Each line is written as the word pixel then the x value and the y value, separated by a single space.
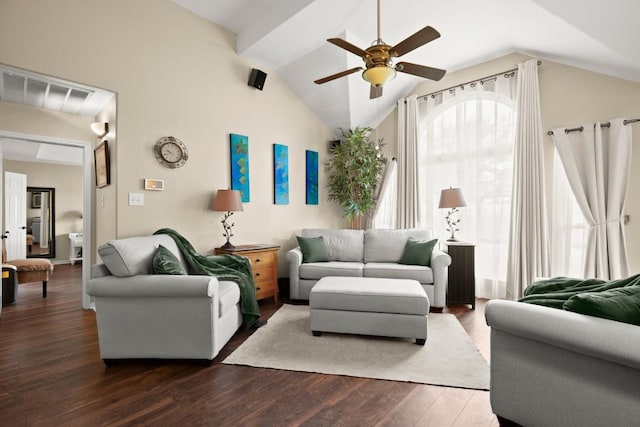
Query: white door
pixel 15 214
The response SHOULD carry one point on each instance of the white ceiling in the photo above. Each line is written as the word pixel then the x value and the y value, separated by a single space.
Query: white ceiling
pixel 40 152
pixel 289 36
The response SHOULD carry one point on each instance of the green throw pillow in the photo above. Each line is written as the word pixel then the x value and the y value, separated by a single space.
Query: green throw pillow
pixel 417 252
pixel 620 304
pixel 313 249
pixel 165 262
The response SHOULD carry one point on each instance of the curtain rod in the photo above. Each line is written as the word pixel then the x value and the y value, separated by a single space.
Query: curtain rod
pixel 481 80
pixel 603 125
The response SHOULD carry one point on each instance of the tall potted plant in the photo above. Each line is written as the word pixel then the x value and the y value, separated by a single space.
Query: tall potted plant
pixel 355 170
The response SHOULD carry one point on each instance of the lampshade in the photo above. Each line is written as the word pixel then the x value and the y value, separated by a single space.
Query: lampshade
pixel 227 200
pixel 379 75
pixel 452 198
pixel 100 128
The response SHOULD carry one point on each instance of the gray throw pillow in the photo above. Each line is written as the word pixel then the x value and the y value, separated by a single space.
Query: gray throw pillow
pixel 417 252
pixel 313 249
pixel 165 262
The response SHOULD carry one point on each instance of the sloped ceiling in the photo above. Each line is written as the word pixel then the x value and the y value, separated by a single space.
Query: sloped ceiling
pixel 289 36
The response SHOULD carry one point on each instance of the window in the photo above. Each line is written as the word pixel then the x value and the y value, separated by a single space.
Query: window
pixel 467 141
pixel 568 227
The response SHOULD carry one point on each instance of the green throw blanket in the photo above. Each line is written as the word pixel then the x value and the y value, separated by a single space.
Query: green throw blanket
pixel 225 267
pixel 615 300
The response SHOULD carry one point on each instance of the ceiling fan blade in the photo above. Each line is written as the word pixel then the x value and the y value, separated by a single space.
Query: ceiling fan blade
pixel 375 92
pixel 414 41
pixel 421 70
pixel 348 46
pixel 337 75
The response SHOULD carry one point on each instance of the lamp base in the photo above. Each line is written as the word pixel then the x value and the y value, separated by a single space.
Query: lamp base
pixel 228 246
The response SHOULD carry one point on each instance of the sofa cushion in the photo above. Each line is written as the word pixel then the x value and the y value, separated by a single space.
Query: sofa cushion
pixel 134 255
pixel 313 249
pixel 391 270
pixel 382 245
pixel 417 252
pixel 165 262
pixel 318 270
pixel 342 244
pixel 229 295
pixel 620 304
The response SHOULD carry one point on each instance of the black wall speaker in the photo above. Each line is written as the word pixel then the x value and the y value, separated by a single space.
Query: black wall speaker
pixel 334 144
pixel 257 78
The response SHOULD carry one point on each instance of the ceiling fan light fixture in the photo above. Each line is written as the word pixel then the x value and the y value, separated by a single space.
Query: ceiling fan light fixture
pixel 378 75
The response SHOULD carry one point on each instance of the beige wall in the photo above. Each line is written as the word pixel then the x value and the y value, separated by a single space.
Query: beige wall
pixel 569 96
pixel 67 181
pixel 175 74
pixel 37 121
pixel 104 226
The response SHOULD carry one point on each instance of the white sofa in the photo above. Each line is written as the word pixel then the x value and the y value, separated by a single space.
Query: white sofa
pixel 143 315
pixel 551 367
pixel 370 253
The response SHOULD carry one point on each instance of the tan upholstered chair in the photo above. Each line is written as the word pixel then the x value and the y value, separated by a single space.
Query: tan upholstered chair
pixel 30 269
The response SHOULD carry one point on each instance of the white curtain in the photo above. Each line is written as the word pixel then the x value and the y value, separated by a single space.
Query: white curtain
pixel 568 227
pixel 409 205
pixel 597 163
pixel 466 141
pixel 384 214
pixel 528 234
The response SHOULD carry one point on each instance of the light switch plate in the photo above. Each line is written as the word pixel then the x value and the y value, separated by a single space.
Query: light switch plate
pixel 136 199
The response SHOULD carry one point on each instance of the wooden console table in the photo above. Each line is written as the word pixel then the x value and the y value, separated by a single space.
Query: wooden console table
pixel 264 263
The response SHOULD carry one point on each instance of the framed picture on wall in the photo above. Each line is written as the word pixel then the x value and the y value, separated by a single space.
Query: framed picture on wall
pixel 103 170
pixel 36 200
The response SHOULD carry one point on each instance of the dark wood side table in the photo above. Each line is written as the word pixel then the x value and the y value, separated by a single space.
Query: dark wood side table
pixel 264 263
pixel 462 279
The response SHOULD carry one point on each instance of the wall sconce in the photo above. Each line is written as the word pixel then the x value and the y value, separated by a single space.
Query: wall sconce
pixel 229 201
pixel 100 128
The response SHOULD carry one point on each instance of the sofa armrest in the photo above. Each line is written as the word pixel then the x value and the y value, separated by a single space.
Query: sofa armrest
pixel 294 258
pixel 591 336
pixel 440 262
pixel 157 285
pixel 99 270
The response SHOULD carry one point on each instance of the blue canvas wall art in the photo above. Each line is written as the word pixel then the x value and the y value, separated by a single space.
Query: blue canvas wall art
pixel 280 174
pixel 239 148
pixel 311 188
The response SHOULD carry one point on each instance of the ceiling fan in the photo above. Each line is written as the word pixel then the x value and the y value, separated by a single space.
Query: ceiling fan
pixel 378 59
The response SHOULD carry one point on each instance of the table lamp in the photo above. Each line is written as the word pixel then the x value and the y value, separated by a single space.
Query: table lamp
pixel 228 201
pixel 453 199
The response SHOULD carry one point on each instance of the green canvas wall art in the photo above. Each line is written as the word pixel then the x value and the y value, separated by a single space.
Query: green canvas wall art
pixel 280 174
pixel 239 148
pixel 311 188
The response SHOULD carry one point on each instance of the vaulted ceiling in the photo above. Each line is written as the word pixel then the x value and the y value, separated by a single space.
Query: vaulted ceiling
pixel 289 37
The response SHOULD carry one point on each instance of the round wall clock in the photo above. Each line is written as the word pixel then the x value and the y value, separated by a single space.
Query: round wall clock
pixel 171 152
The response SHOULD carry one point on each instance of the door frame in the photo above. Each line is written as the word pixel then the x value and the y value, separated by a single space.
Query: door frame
pixel 87 189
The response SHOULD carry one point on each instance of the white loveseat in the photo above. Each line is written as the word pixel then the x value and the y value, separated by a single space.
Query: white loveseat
pixel 146 315
pixel 370 253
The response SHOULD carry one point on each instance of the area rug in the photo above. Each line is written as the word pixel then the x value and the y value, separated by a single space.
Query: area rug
pixel 449 357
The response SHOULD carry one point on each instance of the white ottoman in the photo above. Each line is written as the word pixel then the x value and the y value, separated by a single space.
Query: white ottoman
pixel 370 306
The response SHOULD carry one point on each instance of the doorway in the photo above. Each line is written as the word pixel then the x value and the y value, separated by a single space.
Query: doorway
pixel 87 151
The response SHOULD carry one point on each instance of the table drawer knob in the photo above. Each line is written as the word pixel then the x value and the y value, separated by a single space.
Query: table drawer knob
pixel 257 274
pixel 257 259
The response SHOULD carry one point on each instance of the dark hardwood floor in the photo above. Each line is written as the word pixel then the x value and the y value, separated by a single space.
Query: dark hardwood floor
pixel 51 374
